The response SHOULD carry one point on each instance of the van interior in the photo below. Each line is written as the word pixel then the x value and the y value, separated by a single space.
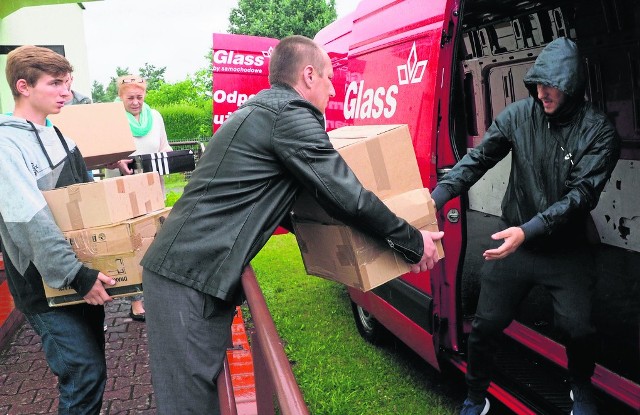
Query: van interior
pixel 500 41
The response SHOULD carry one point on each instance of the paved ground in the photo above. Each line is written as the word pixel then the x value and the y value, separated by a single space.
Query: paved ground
pixel 27 386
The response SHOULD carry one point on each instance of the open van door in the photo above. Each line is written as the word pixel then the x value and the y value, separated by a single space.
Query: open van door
pixel 388 70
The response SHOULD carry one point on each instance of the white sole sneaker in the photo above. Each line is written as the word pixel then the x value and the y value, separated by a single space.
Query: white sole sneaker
pixel 487 405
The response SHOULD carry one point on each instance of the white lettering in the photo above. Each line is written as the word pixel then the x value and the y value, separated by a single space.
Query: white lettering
pixel 224 57
pixel 233 97
pixel 369 103
pixel 218 119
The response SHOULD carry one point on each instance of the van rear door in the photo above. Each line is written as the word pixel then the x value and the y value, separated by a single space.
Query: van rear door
pixel 389 69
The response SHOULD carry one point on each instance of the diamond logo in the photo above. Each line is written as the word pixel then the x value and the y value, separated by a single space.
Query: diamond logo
pixel 413 71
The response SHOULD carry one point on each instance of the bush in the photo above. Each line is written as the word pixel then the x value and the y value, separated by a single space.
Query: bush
pixel 186 121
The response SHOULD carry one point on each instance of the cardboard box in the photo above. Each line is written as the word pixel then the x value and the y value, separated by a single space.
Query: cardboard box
pixel 115 250
pixel 124 268
pixel 381 156
pixel 333 250
pixel 101 131
pixel 104 202
pixel 121 237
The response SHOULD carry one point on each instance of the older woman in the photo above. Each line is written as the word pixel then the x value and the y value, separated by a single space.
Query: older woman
pixel 147 127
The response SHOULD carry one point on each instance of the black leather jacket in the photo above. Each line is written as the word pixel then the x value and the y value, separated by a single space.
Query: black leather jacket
pixel 560 163
pixel 245 184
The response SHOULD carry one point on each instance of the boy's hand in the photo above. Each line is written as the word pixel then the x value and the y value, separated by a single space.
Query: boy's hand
pixel 98 295
pixel 122 165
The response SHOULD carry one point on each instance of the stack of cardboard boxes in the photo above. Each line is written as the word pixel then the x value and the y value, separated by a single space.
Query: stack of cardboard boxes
pixel 383 159
pixel 110 224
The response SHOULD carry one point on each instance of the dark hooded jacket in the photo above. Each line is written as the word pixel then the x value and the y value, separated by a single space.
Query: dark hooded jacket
pixel 244 186
pixel 560 162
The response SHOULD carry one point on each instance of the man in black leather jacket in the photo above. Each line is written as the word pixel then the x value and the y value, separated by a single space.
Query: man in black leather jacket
pixel 563 152
pixel 242 189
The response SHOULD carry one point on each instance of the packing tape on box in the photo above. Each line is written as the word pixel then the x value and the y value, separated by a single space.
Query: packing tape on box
pixel 376 155
pixel 344 254
pixel 75 215
pixel 73 206
pixel 120 186
pixel 133 200
pixel 112 265
pixel 88 244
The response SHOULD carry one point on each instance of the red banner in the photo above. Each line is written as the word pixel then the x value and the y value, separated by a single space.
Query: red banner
pixel 240 70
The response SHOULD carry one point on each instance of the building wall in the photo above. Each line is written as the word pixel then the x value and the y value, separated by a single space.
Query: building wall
pixel 46 25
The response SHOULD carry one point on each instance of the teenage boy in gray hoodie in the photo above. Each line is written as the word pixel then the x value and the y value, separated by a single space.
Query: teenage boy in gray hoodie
pixel 35 156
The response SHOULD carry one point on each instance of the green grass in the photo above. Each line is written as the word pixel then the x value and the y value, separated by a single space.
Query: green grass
pixel 338 372
pixel 174 184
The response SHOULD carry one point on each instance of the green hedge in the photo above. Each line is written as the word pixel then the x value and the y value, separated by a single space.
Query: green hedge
pixel 185 121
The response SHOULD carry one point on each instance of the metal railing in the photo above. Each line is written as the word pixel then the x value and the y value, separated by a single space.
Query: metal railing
pixel 273 373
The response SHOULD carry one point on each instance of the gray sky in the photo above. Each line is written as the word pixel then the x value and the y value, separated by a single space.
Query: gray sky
pixel 175 34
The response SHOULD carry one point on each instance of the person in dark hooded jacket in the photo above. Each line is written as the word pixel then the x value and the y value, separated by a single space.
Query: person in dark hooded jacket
pixel 563 152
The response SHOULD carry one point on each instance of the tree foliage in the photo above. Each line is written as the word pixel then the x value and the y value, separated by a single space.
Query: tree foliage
pixel 280 18
pixel 154 77
pixel 186 106
pixel 98 94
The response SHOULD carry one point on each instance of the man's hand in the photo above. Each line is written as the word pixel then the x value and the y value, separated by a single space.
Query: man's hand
pixel 123 166
pixel 98 295
pixel 430 254
pixel 513 238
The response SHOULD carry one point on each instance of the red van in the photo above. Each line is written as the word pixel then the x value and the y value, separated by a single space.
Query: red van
pixel 447 68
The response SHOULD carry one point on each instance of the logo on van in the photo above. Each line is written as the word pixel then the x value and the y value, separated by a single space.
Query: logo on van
pixel 362 102
pixel 413 71
pixel 225 57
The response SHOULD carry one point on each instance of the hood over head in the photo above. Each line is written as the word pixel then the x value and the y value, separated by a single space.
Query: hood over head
pixel 559 65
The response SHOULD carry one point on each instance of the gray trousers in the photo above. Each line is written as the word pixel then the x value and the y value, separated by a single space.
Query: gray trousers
pixel 189 333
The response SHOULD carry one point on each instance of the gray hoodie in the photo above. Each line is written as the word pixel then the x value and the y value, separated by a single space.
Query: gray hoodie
pixel 32 243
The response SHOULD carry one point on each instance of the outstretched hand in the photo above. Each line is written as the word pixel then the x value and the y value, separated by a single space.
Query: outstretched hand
pixel 430 255
pixel 513 237
pixel 98 295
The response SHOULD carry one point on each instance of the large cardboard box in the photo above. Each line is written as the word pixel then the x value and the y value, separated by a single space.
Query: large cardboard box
pixel 381 156
pixel 115 250
pixel 383 159
pixel 335 251
pixel 124 268
pixel 101 131
pixel 104 202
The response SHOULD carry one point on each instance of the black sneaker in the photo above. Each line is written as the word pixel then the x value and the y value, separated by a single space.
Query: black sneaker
pixel 583 400
pixel 470 408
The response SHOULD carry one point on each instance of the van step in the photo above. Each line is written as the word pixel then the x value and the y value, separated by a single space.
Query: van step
pixel 532 379
pixel 540 384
